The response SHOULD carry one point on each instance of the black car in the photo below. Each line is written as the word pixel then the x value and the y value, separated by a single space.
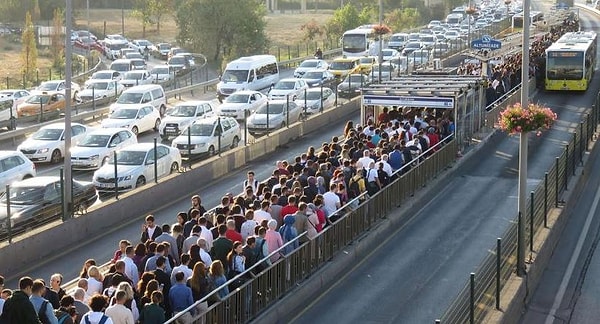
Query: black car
pixel 36 201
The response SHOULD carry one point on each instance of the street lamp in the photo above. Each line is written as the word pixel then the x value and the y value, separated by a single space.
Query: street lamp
pixel 507 3
pixel 469 11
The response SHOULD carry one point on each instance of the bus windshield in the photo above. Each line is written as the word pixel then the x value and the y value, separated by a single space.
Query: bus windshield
pixel 354 43
pixel 565 66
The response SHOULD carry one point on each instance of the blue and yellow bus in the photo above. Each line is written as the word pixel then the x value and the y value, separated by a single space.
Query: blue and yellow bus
pixel 570 62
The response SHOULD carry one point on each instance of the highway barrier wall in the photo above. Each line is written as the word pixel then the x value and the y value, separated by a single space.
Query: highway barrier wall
pixel 118 212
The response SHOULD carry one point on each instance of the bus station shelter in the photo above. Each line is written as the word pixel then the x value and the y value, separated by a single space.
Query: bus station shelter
pixel 458 96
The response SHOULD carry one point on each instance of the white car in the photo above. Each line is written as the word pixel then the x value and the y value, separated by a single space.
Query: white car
pixel 14 167
pixel 161 73
pixel 57 86
pixel 98 145
pixel 308 65
pixel 104 75
pixel 138 64
pixel 141 44
pixel 99 89
pixel 289 87
pixel 388 71
pixel 48 143
pixel 316 78
pixel 242 103
pixel 311 100
pixel 274 114
pixel 137 118
pixel 452 34
pixel 136 77
pixel 202 137
pixel 10 99
pixel 389 54
pixel 182 116
pixel 419 57
pixel 135 166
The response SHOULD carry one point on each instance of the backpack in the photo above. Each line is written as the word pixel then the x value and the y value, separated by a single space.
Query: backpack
pixel 42 313
pixel 63 318
pixel 354 186
pixel 102 319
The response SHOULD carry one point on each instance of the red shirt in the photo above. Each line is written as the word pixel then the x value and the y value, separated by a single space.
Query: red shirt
pixel 288 209
pixel 234 236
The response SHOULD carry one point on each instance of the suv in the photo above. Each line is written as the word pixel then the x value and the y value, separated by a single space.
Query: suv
pixel 205 135
pixel 153 94
pixel 182 116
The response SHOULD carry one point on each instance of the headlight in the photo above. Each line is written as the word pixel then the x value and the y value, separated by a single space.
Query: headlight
pixel 126 178
pixel 44 150
pixel 95 157
pixel 199 145
pixel 125 126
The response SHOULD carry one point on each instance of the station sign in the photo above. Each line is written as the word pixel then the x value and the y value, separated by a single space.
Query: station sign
pixel 409 101
pixel 486 41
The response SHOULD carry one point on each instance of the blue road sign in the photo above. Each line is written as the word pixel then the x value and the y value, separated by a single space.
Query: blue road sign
pixel 486 41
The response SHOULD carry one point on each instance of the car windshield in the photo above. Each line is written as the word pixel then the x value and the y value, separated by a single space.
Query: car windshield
pixel 272 108
pixel 387 52
pixel 396 38
pixel 130 98
pixel 102 75
pixel 310 95
pixel 177 60
pixel 237 98
pixel 48 86
pixel 412 45
pixel 183 111
pixel 164 47
pixel 144 42
pixel 199 130
pixel 98 86
pixel 124 114
pixel 129 158
pixel 341 65
pixel 133 75
pixel 94 140
pixel 384 67
pixel 139 63
pixel 160 70
pixel 35 99
pixel 285 85
pixel 312 75
pixel 25 195
pixel 235 76
pixel 134 55
pixel 48 134
pixel 309 64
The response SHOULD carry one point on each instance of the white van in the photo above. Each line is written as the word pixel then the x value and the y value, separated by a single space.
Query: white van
pixel 121 65
pixel 153 94
pixel 248 73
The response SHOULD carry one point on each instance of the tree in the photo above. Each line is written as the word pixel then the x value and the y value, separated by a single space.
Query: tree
pixel 160 8
pixel 57 46
pixel 29 50
pixel 311 30
pixel 346 18
pixel 403 19
pixel 222 29
pixel 143 11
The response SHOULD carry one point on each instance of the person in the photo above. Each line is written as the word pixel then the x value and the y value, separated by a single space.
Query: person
pixel 288 233
pixel 149 230
pixel 197 204
pixel 180 297
pixel 250 182
pixel 166 236
pixel 96 316
pixel 199 284
pixel 117 312
pixel 221 246
pixel 319 54
pixel 84 270
pixel 164 280
pixel 131 270
pixel 120 252
pixel 55 293
pixel 187 272
pixel 41 305
pixel 66 313
pixel 274 240
pixel 249 225
pixel 236 260
pixel 153 313
pixel 130 300
pixel 146 52
pixel 81 307
pixel 331 201
pixel 17 308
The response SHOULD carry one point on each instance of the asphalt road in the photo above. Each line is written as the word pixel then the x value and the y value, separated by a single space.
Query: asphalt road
pixel 414 274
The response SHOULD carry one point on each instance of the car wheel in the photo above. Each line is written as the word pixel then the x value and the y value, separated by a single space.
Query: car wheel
pixel 156 124
pixel 174 167
pixel 140 182
pixel 27 176
pixel 235 142
pixel 81 208
pixel 211 151
pixel 56 156
pixel 282 125
pixel 135 130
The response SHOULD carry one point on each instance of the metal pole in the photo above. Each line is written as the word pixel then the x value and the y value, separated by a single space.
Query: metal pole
pixel 472 299
pixel 531 213
pixel 68 187
pixel 520 247
pixel 246 112
pixel 190 146
pixel 498 270
pixel 287 110
pixel 321 99
pixel 8 222
pixel 380 56
pixel 546 199
pixel 220 129
pixel 116 175
pixel 155 163
pixel 63 210
pixel 305 102
pixel 556 182
pixel 123 17
pixel 267 117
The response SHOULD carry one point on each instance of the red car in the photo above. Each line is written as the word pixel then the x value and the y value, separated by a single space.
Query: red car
pixel 87 43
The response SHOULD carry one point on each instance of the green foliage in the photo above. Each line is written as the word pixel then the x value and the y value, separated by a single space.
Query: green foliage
pixel 311 30
pixel 403 19
pixel 29 50
pixel 143 11
pixel 346 18
pixel 230 28
pixel 57 52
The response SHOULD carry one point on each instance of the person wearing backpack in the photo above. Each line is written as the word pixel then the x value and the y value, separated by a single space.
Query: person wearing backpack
pixel 96 316
pixel 288 233
pixel 40 304
pixel 66 313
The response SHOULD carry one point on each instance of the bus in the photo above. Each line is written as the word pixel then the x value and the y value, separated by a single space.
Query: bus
pixel 570 61
pixel 356 42
pixel 536 17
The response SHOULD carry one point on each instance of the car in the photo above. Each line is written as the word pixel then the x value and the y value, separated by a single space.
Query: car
pixel 452 34
pixel 11 98
pixel 98 145
pixel 438 30
pixel 141 44
pixel 425 31
pixel 433 23
pixel 410 47
pixel 178 63
pixel 414 37
pixel 352 85
pixel 419 57
pixel 89 44
pixel 57 86
pixel 138 64
pixel 41 103
pixel 205 135
pixel 125 51
pixel 14 166
pixel 288 87
pixel 137 118
pixel 174 51
pixel 308 65
pixel 116 37
pixel 162 50
pixel 427 40
pixel 397 41
pixel 241 104
pixel 48 143
pixel 340 67
pixel 189 57
pixel 162 73
pixel 316 78
pixel 85 33
pixel 136 77
pixel 135 166
pixel 133 55
pixel 401 64
pixel 99 89
pixel 439 50
pixel 38 200
pixel 104 75
pixel 182 116
pixel 366 63
pixel 389 54
pixel 315 100
pixel 113 48
pixel 388 71
pixel 273 115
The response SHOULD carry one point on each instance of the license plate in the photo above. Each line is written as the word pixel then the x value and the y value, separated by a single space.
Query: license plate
pixel 106 185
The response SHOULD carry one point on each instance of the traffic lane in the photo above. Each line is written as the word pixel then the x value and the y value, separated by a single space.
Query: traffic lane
pixel 101 248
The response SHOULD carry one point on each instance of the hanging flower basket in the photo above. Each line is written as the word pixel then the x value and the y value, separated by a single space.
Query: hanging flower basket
pixel 381 29
pixel 470 10
pixel 515 119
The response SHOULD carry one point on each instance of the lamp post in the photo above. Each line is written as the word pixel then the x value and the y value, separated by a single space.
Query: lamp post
pixel 68 183
pixel 380 56
pixel 522 189
pixel 469 11
pixel 507 3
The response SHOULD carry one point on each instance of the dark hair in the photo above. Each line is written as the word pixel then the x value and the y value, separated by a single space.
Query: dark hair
pixel 121 295
pixel 98 302
pixel 150 218
pixel 67 301
pixel 160 261
pixel 185 258
pixel 140 249
pixel 222 229
pixel 251 240
pixel 157 297
pixel 25 282
pixel 38 285
pixel 179 276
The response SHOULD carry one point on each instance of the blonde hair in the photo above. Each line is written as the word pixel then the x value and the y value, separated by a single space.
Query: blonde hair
pixel 94 272
pixel 126 287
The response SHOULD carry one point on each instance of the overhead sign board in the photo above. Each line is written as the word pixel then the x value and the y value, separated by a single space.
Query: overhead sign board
pixel 409 101
pixel 486 41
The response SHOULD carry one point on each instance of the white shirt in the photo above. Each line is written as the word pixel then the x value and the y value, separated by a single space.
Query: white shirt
pixel 131 270
pixel 365 160
pixel 187 272
pixel 94 286
pixel 206 234
pixel 331 201
pixel 1 305
pixel 371 175
pixel 386 167
pixel 248 228
pixel 95 317
pixel 205 257
pixel 260 215
pixel 119 314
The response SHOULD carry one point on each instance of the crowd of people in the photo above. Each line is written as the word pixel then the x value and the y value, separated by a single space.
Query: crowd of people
pixel 174 266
